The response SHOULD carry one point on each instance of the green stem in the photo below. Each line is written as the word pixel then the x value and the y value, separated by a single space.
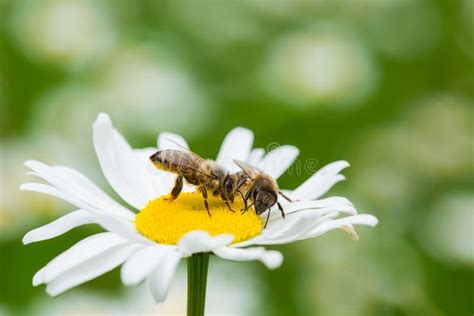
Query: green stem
pixel 197 280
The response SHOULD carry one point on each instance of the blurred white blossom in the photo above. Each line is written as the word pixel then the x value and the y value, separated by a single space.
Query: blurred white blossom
pixel 145 90
pixel 321 65
pixel 432 142
pixel 62 32
pixel 447 233
pixel 438 136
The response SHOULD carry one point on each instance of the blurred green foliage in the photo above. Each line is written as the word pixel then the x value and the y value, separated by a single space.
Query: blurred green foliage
pixel 413 58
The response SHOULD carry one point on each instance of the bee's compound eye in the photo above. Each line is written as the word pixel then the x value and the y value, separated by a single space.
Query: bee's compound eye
pixel 259 207
pixel 264 200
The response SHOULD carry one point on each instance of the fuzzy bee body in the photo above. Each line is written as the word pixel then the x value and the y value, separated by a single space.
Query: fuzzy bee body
pixel 206 174
pixel 260 188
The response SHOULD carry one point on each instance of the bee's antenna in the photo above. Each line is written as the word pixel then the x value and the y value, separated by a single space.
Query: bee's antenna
pixel 285 196
pixel 268 216
pixel 281 210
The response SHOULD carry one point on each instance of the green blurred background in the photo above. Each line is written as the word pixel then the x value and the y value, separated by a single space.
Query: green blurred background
pixel 384 84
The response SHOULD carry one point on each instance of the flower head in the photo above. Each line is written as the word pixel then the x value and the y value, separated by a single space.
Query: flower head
pixel 149 244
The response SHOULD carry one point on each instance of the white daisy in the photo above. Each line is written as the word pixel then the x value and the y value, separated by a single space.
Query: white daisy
pixel 149 244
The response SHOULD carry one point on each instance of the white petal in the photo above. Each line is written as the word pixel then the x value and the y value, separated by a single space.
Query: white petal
pixel 200 241
pixel 294 226
pixel 52 191
pixel 336 203
pixel 77 189
pixel 82 251
pixel 255 156
pixel 301 217
pixel 122 228
pixel 296 212
pixel 236 145
pixel 91 269
pixel 110 222
pixel 151 175
pixel 159 281
pixel 320 182
pixel 38 277
pixel 308 227
pixel 127 174
pixel 271 258
pixel 171 141
pixel 361 219
pixel 59 226
pixel 142 263
pixel 276 162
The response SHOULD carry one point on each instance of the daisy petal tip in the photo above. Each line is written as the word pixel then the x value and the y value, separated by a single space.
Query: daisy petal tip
pixel 342 164
pixel 272 259
pixel 372 220
pixel 26 186
pixel 102 118
pixel 127 280
pixel 368 220
pixel 52 292
pixel 242 130
pixel 27 239
pixel 291 148
pixel 32 163
pixel 38 278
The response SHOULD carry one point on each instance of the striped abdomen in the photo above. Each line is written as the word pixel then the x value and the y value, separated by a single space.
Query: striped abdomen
pixel 187 164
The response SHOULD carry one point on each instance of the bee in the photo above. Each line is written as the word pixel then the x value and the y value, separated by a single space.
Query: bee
pixel 206 174
pixel 260 188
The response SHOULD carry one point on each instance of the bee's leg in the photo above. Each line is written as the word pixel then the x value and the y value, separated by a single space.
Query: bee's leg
pixel 243 199
pixel 285 196
pixel 215 193
pixel 268 216
pixel 241 183
pixel 246 198
pixel 224 198
pixel 246 208
pixel 241 194
pixel 228 206
pixel 178 186
pixel 204 196
pixel 281 210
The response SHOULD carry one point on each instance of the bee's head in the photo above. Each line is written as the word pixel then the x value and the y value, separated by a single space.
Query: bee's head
pixel 263 200
pixel 230 186
pixel 156 158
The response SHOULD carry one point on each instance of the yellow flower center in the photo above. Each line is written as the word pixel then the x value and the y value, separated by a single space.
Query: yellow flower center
pixel 166 222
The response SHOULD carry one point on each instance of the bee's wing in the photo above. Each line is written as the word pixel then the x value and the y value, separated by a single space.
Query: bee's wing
pixel 186 149
pixel 196 162
pixel 181 161
pixel 249 170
